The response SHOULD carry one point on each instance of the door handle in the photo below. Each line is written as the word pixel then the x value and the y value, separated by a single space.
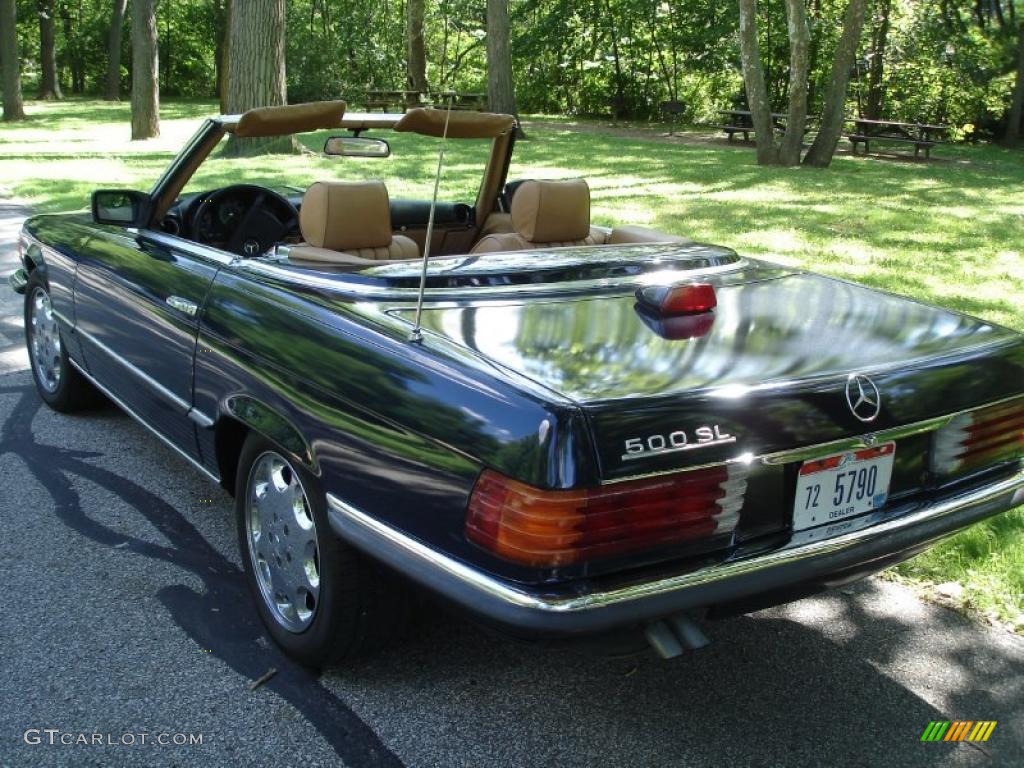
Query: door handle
pixel 183 305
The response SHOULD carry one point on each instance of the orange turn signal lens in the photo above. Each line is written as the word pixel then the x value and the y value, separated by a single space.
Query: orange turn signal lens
pixel 980 438
pixel 536 527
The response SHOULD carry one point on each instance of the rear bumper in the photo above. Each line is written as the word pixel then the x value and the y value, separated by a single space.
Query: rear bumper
pixel 879 542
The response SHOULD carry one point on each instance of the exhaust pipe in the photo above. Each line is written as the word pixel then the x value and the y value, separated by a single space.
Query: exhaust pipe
pixel 674 635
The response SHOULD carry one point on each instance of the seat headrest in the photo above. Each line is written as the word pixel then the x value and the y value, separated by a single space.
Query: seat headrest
pixel 346 215
pixel 552 211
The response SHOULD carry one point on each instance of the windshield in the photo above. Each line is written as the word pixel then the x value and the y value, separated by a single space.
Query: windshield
pixel 408 172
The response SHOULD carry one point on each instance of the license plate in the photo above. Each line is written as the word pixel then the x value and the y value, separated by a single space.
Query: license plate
pixel 844 485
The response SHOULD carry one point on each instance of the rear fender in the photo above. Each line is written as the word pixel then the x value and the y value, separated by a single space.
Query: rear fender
pixel 261 418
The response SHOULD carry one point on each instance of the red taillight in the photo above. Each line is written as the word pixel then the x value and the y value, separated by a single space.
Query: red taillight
pixel 535 527
pixel 980 438
pixel 679 328
pixel 686 299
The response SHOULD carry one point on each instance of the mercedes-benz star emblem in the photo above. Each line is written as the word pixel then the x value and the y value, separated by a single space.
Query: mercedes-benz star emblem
pixel 863 397
pixel 251 247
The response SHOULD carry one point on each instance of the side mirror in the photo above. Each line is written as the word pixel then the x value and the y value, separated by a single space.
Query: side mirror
pixel 120 207
pixel 356 146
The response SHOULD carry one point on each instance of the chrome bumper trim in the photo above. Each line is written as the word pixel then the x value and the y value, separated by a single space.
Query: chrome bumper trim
pixel 512 605
pixel 18 280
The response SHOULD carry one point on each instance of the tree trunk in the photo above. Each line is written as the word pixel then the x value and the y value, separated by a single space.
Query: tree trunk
pixel 833 113
pixel 113 89
pixel 873 110
pixel 145 71
pixel 799 68
pixel 49 88
pixel 222 52
pixel 500 93
pixel 757 91
pixel 256 69
pixel 1014 127
pixel 14 109
pixel 71 56
pixel 416 55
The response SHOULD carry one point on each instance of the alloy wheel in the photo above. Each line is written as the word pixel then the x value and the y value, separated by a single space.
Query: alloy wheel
pixel 282 538
pixel 44 341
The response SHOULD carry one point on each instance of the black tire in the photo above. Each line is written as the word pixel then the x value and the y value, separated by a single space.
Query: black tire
pixel 70 391
pixel 360 606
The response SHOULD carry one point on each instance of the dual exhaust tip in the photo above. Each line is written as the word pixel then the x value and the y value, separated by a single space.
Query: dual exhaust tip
pixel 673 635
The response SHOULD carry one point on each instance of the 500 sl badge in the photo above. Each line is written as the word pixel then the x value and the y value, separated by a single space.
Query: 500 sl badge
pixel 652 445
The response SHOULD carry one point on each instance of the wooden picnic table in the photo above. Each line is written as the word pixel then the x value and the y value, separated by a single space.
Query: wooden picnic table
pixel 385 99
pixel 921 135
pixel 468 101
pixel 742 121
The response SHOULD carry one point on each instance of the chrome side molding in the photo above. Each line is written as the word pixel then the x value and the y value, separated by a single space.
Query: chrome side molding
pixel 144 377
pixel 124 407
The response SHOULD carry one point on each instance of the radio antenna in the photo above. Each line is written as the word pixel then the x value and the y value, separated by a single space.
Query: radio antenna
pixel 417 332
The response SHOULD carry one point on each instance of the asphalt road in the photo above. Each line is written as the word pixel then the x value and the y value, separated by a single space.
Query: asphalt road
pixel 125 612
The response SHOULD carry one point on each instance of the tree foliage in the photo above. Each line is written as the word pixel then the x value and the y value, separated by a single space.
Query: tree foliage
pixel 949 61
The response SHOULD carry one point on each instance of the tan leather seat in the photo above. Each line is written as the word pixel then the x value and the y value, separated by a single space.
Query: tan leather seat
pixel 546 214
pixel 552 214
pixel 349 223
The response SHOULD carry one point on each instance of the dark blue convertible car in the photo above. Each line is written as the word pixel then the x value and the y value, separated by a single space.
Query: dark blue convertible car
pixel 584 428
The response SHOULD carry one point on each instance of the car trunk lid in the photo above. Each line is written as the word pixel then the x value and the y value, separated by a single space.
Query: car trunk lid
pixel 766 371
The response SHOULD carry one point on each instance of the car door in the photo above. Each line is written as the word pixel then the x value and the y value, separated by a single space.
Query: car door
pixel 138 299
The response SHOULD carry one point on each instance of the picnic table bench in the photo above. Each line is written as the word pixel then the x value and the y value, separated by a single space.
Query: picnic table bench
pixel 921 135
pixel 468 101
pixel 742 121
pixel 384 100
pixel 404 100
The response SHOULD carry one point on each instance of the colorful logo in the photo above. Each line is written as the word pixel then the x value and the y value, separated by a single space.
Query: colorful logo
pixel 958 730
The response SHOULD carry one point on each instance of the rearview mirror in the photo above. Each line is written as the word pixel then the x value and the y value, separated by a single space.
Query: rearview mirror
pixel 356 146
pixel 120 207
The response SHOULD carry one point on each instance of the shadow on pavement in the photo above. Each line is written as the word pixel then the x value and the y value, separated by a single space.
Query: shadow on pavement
pixel 846 679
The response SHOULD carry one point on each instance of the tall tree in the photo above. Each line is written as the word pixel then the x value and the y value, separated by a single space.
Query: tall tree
pixel 757 90
pixel 500 93
pixel 876 68
pixel 799 71
pixel 834 110
pixel 222 14
pixel 73 54
pixel 13 107
pixel 416 54
pixel 256 69
pixel 770 152
pixel 112 92
pixel 1014 127
pixel 145 71
pixel 49 87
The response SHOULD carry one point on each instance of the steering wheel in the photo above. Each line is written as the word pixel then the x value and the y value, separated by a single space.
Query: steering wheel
pixel 263 217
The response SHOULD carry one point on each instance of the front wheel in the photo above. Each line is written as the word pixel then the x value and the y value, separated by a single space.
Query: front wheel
pixel 60 385
pixel 321 601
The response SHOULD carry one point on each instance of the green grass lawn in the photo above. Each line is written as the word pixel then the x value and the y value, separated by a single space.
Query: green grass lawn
pixel 950 232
